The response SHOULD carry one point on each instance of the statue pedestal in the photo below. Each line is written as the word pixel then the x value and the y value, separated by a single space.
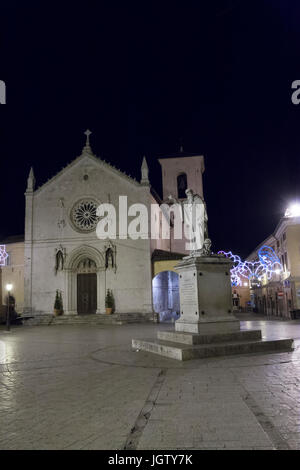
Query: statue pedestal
pixel 206 326
pixel 205 296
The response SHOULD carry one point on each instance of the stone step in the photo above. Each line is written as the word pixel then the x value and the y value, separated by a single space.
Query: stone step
pixel 185 352
pixel 70 320
pixel 193 338
pixel 94 319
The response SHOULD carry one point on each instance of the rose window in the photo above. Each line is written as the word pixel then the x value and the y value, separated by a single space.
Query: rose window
pixel 84 215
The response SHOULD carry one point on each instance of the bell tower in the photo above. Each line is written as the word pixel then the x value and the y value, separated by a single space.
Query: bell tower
pixel 180 172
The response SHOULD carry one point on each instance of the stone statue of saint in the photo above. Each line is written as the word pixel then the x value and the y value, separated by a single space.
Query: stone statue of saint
pixel 59 260
pixel 195 216
pixel 195 220
pixel 109 258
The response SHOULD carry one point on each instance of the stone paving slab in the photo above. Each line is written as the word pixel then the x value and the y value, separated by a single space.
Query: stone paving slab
pixel 80 387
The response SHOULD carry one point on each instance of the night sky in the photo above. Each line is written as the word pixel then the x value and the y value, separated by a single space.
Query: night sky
pixel 145 78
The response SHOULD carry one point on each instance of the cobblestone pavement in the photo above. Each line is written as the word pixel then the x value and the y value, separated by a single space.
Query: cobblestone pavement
pixel 82 387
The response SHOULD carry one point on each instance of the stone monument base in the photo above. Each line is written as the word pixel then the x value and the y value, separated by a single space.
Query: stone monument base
pixel 222 325
pixel 184 346
pixel 206 326
pixel 205 296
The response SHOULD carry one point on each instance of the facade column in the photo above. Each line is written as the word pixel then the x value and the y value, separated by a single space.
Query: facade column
pixel 68 292
pixel 73 293
pixel 101 291
pixel 28 245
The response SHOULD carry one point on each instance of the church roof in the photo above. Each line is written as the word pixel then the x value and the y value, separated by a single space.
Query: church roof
pixel 88 153
pixel 180 154
pixel 155 195
pixel 163 255
pixel 12 239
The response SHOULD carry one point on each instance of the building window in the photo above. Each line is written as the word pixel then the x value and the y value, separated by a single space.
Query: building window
pixel 284 236
pixel 8 260
pixel 181 185
pixel 277 243
pixel 84 215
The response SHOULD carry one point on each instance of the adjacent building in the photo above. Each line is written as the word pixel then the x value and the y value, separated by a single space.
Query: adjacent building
pixel 12 271
pixel 280 294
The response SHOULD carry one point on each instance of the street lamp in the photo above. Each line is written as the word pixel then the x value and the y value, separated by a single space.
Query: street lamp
pixel 293 210
pixel 8 288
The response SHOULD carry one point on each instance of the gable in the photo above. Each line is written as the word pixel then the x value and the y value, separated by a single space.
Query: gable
pixel 86 179
pixel 87 162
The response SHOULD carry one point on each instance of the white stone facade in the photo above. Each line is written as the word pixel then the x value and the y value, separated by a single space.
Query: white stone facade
pixel 49 229
pixel 59 248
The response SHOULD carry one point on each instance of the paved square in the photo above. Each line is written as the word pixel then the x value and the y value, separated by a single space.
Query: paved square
pixel 82 387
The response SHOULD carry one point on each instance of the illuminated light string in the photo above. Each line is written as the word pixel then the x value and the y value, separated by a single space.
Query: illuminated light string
pixel 268 264
pixel 3 255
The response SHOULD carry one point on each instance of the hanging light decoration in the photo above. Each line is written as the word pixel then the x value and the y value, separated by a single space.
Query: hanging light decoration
pixel 268 263
pixel 3 255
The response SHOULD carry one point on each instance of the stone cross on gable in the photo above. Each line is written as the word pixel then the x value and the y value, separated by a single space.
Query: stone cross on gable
pixel 2 92
pixel 88 133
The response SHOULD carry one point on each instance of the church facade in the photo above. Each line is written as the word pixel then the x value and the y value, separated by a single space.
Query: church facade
pixel 63 253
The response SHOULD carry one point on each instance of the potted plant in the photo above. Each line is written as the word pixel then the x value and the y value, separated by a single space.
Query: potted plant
pixel 109 302
pixel 58 307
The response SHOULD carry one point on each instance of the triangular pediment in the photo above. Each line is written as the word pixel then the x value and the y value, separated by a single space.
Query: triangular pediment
pixel 89 159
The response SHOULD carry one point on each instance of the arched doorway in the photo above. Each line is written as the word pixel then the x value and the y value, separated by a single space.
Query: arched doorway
pixel 84 281
pixel 86 287
pixel 165 292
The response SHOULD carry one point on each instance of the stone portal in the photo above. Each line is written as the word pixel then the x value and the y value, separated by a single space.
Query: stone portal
pixel 86 287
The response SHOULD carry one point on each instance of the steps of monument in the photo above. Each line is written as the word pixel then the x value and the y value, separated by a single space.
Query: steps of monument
pixel 184 352
pixel 193 338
